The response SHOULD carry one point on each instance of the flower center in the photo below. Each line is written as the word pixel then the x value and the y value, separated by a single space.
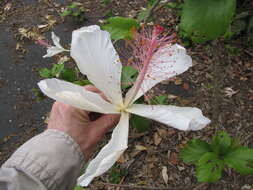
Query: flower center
pixel 121 108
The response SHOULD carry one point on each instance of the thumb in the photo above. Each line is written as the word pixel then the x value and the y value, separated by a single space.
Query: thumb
pixel 105 123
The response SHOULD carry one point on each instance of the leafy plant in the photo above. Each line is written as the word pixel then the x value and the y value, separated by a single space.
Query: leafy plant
pixel 211 158
pixel 58 71
pixel 206 20
pixel 120 27
pixel 75 10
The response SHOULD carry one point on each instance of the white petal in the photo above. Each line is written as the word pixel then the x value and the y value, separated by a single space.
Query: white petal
pixel 96 57
pixel 56 40
pixel 75 95
pixel 109 154
pixel 182 118
pixel 166 63
pixel 53 50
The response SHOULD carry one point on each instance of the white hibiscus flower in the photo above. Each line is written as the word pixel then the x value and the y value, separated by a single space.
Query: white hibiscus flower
pixel 96 58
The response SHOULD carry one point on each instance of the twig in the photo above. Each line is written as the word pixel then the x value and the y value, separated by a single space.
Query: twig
pixel 248 52
pixel 151 11
pixel 147 187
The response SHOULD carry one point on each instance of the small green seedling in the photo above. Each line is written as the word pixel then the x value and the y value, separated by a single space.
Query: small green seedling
pixel 74 10
pixel 211 158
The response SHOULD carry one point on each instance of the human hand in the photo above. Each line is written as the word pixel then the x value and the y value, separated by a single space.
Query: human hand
pixel 79 124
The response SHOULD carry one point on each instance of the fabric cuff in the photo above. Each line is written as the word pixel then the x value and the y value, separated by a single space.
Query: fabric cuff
pixel 52 157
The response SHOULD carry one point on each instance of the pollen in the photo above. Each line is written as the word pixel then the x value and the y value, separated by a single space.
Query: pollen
pixel 121 108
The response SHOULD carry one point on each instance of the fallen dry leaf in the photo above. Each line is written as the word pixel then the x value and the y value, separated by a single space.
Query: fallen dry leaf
pixel 165 175
pixel 173 158
pixel 229 92
pixel 178 81
pixel 157 139
pixel 140 147
pixel 186 86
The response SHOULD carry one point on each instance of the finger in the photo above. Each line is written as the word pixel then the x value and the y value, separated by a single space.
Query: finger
pixel 95 90
pixel 92 88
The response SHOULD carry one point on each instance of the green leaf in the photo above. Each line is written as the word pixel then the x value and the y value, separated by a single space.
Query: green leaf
pixel 151 3
pixel 140 123
pixel 174 5
pixel 209 168
pixel 46 73
pixel 241 159
pixel 128 76
pixel 194 150
pixel 39 95
pixel 143 14
pixel 68 75
pixel 161 99
pixel 221 143
pixel 57 69
pixel 106 2
pixel 66 13
pixel 120 27
pixel 77 187
pixel 73 5
pixel 82 82
pixel 206 20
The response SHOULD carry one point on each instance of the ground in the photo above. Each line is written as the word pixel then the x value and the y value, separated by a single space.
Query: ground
pixel 216 68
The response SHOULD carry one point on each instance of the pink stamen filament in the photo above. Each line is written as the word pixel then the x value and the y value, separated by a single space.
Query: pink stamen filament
pixel 146 45
pixel 143 72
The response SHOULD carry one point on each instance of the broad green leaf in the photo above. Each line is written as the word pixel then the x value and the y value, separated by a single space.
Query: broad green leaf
pixel 241 160
pixel 45 73
pixel 57 69
pixel 140 123
pixel 221 143
pixel 120 27
pixel 68 75
pixel 128 76
pixel 208 19
pixel 194 150
pixel 209 168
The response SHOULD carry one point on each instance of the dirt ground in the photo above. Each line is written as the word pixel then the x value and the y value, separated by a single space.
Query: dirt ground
pixel 204 86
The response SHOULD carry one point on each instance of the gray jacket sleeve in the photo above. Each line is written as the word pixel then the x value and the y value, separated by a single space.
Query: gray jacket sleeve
pixel 49 161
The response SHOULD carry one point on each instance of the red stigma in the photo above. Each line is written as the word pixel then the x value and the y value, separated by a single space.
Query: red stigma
pixel 158 29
